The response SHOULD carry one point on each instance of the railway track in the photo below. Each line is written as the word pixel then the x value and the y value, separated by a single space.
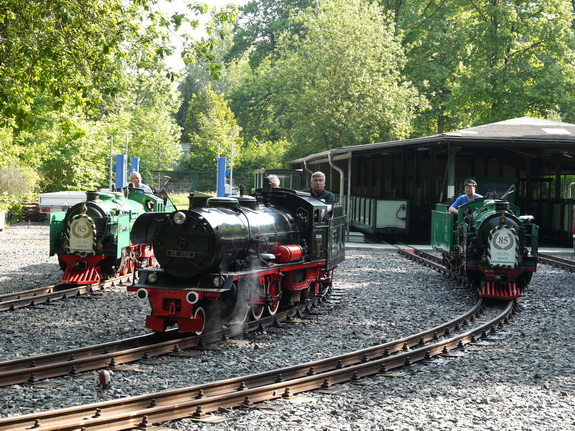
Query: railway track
pixel 434 261
pixel 201 400
pixel 110 355
pixel 45 295
pixel 557 262
pixel 428 259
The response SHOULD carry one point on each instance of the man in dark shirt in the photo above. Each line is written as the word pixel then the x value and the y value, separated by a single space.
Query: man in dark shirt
pixel 318 190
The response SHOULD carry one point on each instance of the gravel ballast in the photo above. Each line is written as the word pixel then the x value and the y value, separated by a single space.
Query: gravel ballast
pixel 521 379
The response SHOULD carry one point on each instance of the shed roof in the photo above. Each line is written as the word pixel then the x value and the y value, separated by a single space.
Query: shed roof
pixel 537 137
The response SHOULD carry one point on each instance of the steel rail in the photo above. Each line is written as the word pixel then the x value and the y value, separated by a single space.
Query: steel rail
pixel 196 401
pixel 45 295
pixel 557 262
pixel 109 355
pixel 428 260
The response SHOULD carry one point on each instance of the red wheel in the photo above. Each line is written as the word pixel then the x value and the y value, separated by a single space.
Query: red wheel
pixel 242 315
pixel 257 308
pixel 273 293
pixel 257 311
pixel 200 313
pixel 239 300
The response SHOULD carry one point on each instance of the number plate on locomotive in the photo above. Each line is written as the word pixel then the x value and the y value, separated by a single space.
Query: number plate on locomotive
pixel 181 253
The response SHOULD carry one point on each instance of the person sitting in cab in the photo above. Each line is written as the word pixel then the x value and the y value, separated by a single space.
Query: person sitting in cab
pixel 274 181
pixel 469 196
pixel 319 192
pixel 136 182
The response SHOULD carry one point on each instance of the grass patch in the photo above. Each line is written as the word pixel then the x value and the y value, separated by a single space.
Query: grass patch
pixel 181 200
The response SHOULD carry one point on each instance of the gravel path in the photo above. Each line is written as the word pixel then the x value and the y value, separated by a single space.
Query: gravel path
pixel 523 379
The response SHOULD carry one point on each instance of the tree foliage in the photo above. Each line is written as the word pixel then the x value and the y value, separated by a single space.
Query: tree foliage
pixel 64 49
pixel 19 181
pixel 518 59
pixel 486 60
pixel 66 149
pixel 262 25
pixel 340 83
pixel 73 74
pixel 213 131
pixel 80 52
pixel 301 76
pixel 258 154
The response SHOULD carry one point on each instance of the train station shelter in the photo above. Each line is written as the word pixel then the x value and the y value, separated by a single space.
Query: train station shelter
pixel 536 156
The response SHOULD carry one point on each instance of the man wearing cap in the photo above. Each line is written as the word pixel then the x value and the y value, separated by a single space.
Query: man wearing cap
pixel 469 196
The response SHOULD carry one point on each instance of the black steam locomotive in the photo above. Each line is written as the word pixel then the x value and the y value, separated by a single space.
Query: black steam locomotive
pixel 237 257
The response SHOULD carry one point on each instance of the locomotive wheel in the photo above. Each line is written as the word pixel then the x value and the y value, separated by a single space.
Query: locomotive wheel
pixel 257 311
pixel 240 316
pixel 273 291
pixel 126 263
pixel 200 313
pixel 129 266
pixel 257 308
pixel 306 295
pixel 111 267
pixel 240 309
pixel 62 264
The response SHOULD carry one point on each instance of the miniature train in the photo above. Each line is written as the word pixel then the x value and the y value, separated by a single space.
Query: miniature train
pixel 236 258
pixel 490 243
pixel 92 239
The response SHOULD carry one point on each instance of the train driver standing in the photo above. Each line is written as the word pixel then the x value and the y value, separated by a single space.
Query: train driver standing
pixel 469 196
pixel 136 180
pixel 319 192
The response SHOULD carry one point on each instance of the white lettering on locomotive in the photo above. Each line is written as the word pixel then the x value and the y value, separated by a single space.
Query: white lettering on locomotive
pixel 503 244
pixel 181 253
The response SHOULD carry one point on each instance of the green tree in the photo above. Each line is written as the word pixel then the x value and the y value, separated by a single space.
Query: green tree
pixel 431 34
pixel 258 154
pixel 70 152
pixel 155 139
pixel 260 26
pixel 80 53
pixel 519 59
pixel 198 76
pixel 149 119
pixel 213 131
pixel 252 102
pixel 8 150
pixel 486 60
pixel 340 83
pixel 197 80
pixel 18 181
pixel 73 74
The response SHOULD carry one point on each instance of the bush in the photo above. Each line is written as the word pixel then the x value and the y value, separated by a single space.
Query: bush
pixel 18 181
pixel 12 206
pixel 18 184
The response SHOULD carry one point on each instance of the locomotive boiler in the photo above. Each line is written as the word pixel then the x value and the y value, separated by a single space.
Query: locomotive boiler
pixel 92 239
pixel 490 243
pixel 237 258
